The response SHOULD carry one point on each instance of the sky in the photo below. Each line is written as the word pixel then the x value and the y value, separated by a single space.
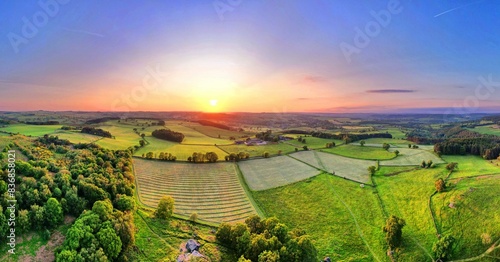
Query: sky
pixel 250 55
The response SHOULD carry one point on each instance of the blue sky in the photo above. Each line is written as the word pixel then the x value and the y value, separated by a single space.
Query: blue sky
pixel 247 55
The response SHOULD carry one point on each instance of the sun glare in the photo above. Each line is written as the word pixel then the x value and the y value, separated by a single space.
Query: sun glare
pixel 213 102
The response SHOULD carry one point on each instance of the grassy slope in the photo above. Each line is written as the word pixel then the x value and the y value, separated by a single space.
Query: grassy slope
pixel 488 130
pixel 323 208
pixel 406 195
pixel 472 166
pixel 272 149
pixel 475 202
pixel 31 130
pixel 312 142
pixel 361 152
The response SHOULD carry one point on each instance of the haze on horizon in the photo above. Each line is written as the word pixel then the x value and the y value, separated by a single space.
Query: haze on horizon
pixel 249 56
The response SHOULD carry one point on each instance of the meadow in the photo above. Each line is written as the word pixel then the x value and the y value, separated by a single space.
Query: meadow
pixel 215 132
pixel 212 191
pixel 472 166
pixel 258 151
pixel 123 136
pixel 31 130
pixel 361 152
pixel 193 137
pixel 312 205
pixel 76 137
pixel 487 130
pixel 311 142
pixel 266 173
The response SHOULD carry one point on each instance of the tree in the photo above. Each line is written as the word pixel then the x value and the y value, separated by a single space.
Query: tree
pixel 142 143
pixel 305 148
pixel 409 145
pixel 269 256
pixel 266 154
pixel 53 213
pixel 394 231
pixel 372 169
pixel 110 242
pixel 149 155
pixel 124 203
pixel 362 142
pixel 423 164
pixel 223 234
pixel 452 166
pixel 243 259
pixel 396 152
pixel 429 164
pixel 193 217
pixel 165 207
pixel 23 221
pixel 386 146
pixel 103 209
pixel 443 248
pixel 440 185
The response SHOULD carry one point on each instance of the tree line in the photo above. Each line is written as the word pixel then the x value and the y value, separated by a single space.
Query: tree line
pixel 486 147
pixel 96 132
pixel 167 134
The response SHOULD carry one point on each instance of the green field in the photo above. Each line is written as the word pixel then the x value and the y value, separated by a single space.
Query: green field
pixel 216 132
pixel 181 151
pixel 343 219
pixel 378 142
pixel 472 166
pixel 31 130
pixel 406 195
pixel 472 216
pixel 213 191
pixel 361 152
pixel 124 136
pixel 354 169
pixel 194 137
pixel 76 137
pixel 254 151
pixel 262 174
pixel 312 142
pixel 488 130
pixel 411 157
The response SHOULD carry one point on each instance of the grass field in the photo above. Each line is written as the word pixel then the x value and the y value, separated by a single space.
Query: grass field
pixel 262 174
pixel 487 130
pixel 213 191
pixel 343 219
pixel 474 213
pixel 406 195
pixel 354 169
pixel 472 166
pixel 216 132
pixel 312 142
pixel 411 157
pixel 76 137
pixel 272 149
pixel 181 151
pixel 194 137
pixel 378 142
pixel 124 136
pixel 31 130
pixel 361 152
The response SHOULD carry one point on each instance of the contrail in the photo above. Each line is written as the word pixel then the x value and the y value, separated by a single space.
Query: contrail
pixel 453 9
pixel 83 32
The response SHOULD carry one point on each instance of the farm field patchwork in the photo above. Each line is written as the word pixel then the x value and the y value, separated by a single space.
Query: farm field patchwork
pixel 254 151
pixel 411 157
pixel 31 130
pixel 181 151
pixel 343 219
pixel 487 130
pixel 472 166
pixel 470 220
pixel 213 191
pixel 194 137
pixel 215 132
pixel 354 169
pixel 266 173
pixel 361 152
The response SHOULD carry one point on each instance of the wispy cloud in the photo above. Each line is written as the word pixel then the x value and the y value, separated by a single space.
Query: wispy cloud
pixel 389 91
pixel 456 8
pixel 313 79
pixel 82 32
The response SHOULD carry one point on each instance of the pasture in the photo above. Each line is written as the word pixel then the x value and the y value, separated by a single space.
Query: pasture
pixel 406 195
pixel 76 137
pixel 343 219
pixel 266 173
pixel 215 132
pixel 254 151
pixel 487 130
pixel 181 151
pixel 31 130
pixel 213 191
pixel 312 142
pixel 411 157
pixel 124 136
pixel 354 169
pixel 472 166
pixel 472 219
pixel 361 152
pixel 378 142
pixel 193 137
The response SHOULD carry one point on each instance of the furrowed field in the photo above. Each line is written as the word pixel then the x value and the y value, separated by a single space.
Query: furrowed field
pixel 354 169
pixel 212 191
pixel 273 172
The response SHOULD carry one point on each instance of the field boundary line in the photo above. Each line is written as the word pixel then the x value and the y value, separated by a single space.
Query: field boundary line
pixel 492 248
pixel 476 176
pixel 247 190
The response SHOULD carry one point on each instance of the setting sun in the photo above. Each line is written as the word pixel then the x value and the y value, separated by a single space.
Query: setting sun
pixel 213 102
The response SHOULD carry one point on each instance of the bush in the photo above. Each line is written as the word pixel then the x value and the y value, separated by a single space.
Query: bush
pixel 443 248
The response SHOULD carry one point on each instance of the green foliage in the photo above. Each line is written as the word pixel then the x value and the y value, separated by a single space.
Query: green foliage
pixel 110 242
pixel 103 209
pixel 394 231
pixel 440 185
pixel 443 248
pixel 23 221
pixel 165 207
pixel 53 213
pixel 386 146
pixel 372 169
pixel 124 203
